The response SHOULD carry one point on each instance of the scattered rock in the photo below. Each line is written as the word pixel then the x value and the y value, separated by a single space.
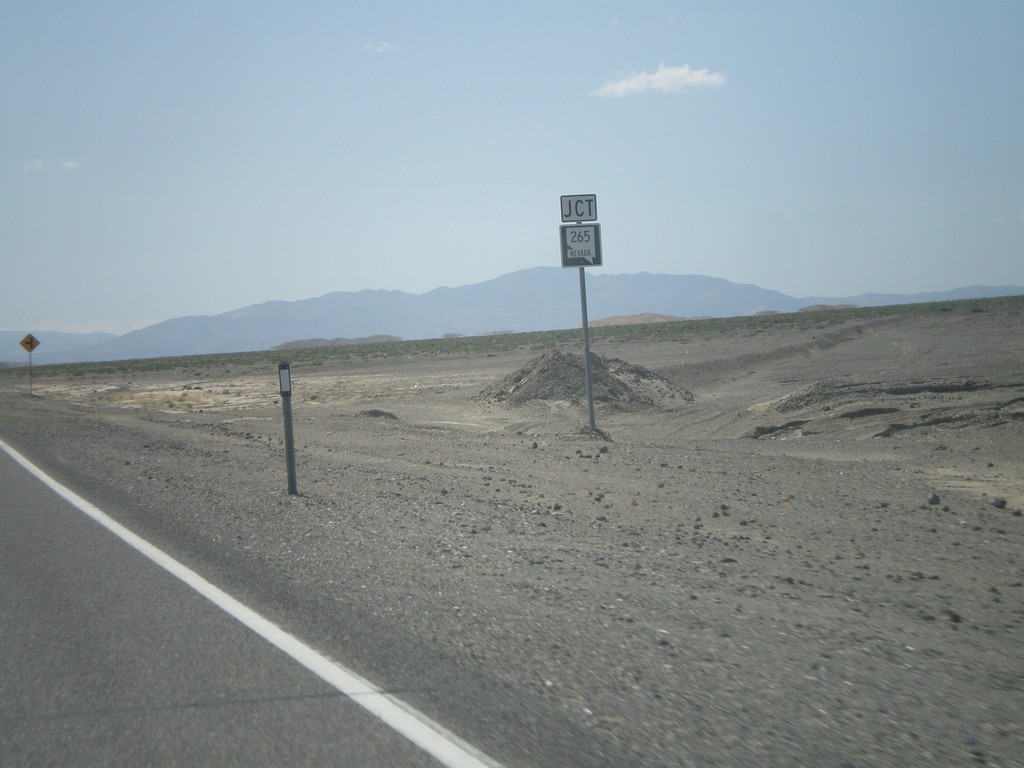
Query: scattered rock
pixel 376 413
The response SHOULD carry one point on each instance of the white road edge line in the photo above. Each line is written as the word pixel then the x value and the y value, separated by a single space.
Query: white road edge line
pixel 431 737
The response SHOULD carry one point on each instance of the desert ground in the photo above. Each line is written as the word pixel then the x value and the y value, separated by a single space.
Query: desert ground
pixel 786 544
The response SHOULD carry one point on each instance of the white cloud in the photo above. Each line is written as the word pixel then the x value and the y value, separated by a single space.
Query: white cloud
pixel 382 47
pixel 40 165
pixel 665 80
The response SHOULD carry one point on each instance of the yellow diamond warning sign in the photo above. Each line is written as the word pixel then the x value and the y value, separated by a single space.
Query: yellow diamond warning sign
pixel 30 342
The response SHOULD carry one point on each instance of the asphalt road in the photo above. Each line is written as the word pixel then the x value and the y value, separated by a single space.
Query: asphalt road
pixel 108 659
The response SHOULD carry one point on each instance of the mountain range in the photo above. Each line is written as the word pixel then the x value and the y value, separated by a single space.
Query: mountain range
pixel 536 299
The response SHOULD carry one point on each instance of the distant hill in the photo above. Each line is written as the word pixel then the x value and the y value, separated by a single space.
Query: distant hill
pixel 537 299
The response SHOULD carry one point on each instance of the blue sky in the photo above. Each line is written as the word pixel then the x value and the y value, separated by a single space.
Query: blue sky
pixel 160 159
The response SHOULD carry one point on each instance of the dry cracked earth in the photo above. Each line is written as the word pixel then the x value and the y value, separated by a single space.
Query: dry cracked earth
pixel 793 546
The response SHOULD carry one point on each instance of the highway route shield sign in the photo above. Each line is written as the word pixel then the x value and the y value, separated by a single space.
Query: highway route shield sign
pixel 581 245
pixel 30 342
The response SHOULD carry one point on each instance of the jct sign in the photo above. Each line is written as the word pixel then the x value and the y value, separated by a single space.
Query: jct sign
pixel 579 207
pixel 581 243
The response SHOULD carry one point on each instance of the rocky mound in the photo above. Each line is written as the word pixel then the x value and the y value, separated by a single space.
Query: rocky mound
pixel 559 376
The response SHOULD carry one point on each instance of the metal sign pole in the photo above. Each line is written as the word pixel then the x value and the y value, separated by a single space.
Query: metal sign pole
pixel 586 347
pixel 29 343
pixel 285 376
pixel 581 247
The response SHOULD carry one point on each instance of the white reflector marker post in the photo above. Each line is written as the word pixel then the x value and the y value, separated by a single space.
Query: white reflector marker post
pixel 284 374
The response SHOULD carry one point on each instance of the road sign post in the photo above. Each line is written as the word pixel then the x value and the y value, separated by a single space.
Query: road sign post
pixel 29 343
pixel 586 349
pixel 581 247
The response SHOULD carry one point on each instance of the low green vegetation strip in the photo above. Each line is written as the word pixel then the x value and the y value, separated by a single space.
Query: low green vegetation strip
pixel 502 343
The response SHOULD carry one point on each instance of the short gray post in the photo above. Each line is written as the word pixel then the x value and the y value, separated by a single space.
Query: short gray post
pixel 586 347
pixel 285 376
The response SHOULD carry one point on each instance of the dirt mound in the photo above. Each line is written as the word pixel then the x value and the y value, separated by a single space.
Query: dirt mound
pixel 641 319
pixel 557 375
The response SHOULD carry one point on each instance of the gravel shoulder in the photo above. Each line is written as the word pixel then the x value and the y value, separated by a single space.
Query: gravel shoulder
pixel 812 559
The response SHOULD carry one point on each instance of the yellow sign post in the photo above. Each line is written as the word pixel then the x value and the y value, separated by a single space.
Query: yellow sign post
pixel 30 342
